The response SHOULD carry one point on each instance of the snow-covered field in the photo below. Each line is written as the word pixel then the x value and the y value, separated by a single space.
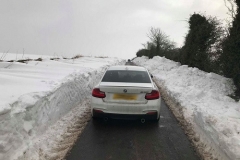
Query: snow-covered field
pixel 45 105
pixel 200 100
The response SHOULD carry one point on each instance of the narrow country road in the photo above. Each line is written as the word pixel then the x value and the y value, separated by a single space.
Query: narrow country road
pixel 131 140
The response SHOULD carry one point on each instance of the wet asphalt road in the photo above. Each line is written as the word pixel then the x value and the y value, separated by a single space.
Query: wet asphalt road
pixel 131 140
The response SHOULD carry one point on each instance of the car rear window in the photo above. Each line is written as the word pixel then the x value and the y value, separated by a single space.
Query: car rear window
pixel 126 76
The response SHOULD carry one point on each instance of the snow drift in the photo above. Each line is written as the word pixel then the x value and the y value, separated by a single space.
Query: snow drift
pixel 34 96
pixel 202 100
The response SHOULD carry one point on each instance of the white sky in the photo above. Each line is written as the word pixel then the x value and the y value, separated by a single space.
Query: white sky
pixel 114 28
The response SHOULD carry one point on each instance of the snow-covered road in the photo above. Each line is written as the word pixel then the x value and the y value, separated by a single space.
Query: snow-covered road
pixel 45 105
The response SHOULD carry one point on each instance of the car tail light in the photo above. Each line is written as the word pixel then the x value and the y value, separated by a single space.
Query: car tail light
pixel 97 93
pixel 97 111
pixel 152 113
pixel 153 95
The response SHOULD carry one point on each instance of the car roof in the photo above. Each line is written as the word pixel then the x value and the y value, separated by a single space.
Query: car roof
pixel 134 68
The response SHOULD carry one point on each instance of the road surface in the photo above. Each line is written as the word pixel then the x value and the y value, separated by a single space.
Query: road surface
pixel 132 140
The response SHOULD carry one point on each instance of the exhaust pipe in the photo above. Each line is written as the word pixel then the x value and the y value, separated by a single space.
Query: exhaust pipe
pixel 105 119
pixel 143 120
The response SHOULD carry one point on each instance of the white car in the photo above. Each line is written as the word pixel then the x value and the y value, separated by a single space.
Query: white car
pixel 126 92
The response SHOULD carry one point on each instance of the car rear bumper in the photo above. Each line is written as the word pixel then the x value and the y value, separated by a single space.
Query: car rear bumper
pixel 151 116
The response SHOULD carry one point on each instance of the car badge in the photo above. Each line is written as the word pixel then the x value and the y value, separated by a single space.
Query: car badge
pixel 125 91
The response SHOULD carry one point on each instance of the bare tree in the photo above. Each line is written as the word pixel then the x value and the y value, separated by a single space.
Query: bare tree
pixel 157 37
pixel 148 45
pixel 159 40
pixel 231 7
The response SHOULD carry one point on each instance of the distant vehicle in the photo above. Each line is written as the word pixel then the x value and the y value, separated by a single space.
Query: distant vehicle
pixel 126 92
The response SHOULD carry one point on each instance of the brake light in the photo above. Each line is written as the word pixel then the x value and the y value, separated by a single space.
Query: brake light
pixel 97 111
pixel 153 95
pixel 97 93
pixel 152 113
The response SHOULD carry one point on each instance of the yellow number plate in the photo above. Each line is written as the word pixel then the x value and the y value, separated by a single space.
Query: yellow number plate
pixel 125 96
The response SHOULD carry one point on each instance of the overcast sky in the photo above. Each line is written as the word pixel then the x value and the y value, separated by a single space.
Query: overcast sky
pixel 114 28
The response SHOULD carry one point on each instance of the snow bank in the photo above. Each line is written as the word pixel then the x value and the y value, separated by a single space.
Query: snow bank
pixel 45 105
pixel 202 100
pixel 36 95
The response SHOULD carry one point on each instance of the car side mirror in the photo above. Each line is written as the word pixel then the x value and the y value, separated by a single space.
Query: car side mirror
pixel 151 75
